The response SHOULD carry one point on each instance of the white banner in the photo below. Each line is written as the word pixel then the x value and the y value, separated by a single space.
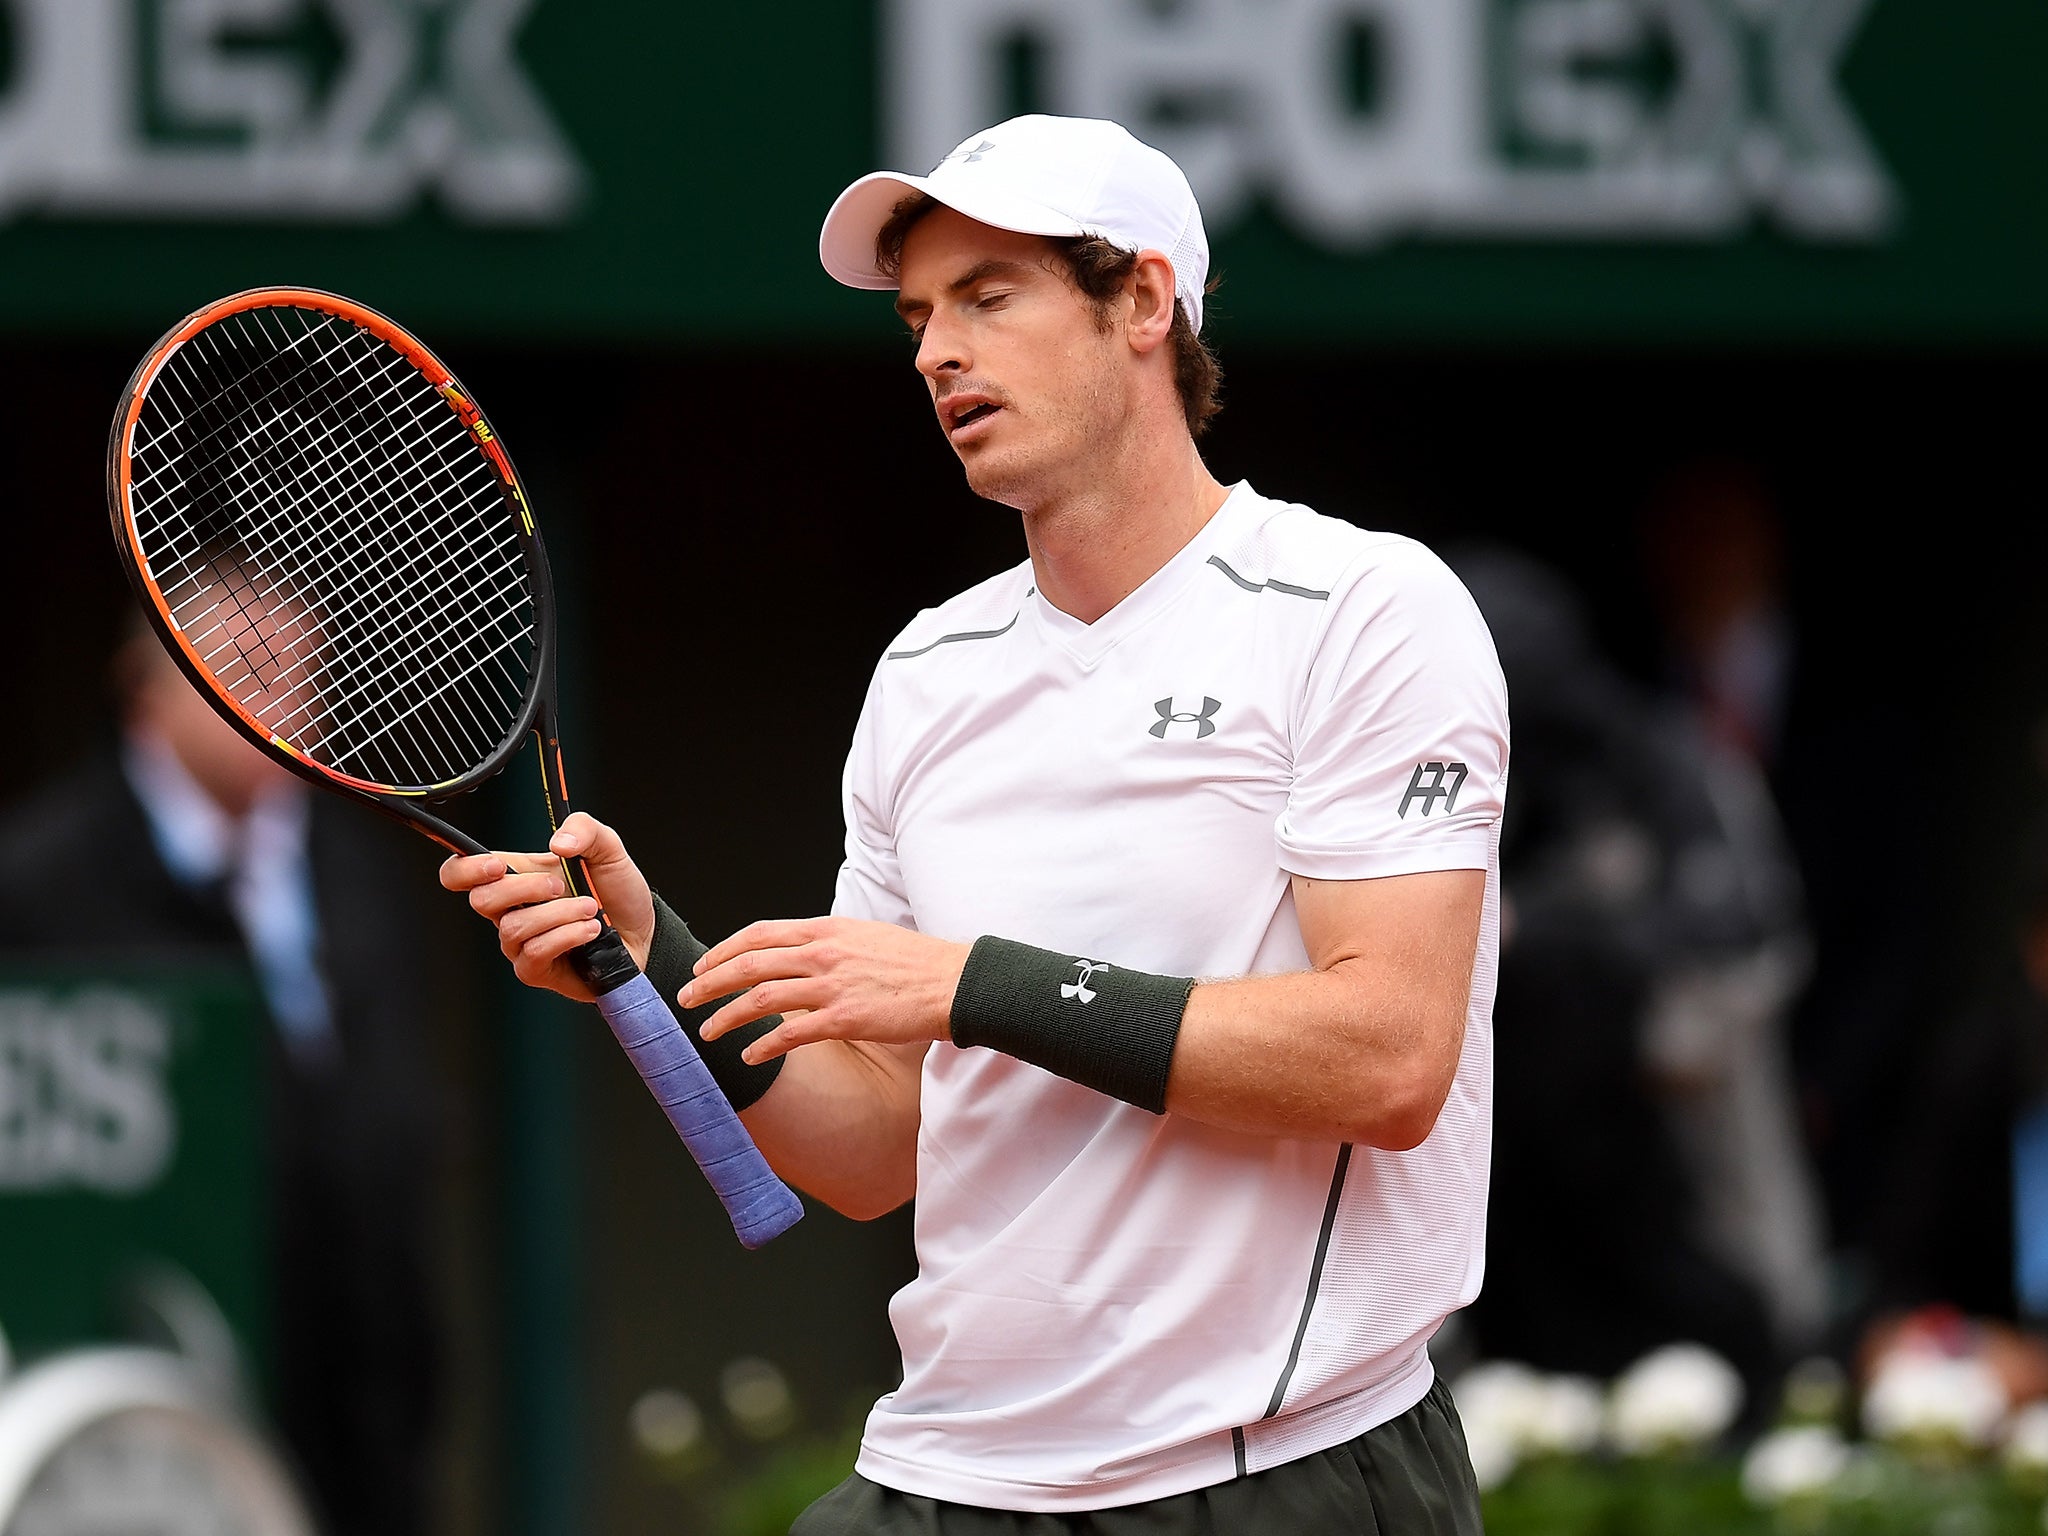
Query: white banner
pixel 1502 119
pixel 84 1098
pixel 210 120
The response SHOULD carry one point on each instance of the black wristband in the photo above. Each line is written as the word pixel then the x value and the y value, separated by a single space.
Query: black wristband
pixel 1102 1026
pixel 670 955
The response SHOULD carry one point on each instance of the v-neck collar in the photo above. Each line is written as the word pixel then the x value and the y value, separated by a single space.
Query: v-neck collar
pixel 1089 643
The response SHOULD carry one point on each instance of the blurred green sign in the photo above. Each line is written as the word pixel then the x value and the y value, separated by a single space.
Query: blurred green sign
pixel 131 1117
pixel 1754 169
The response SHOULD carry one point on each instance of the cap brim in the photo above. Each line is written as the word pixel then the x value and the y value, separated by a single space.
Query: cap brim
pixel 846 245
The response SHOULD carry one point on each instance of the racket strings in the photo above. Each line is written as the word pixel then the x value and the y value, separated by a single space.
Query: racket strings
pixel 334 546
pixel 330 459
pixel 287 721
pixel 357 570
pixel 482 474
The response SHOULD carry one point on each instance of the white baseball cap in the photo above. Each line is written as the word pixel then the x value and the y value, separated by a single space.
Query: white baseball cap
pixel 1037 175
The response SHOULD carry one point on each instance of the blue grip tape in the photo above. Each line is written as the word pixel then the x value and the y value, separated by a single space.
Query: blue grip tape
pixel 761 1206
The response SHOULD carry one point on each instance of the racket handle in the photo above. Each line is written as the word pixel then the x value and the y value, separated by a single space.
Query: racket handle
pixel 761 1206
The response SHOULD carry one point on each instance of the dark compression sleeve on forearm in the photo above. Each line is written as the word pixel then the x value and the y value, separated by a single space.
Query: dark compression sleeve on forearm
pixel 1099 1025
pixel 669 958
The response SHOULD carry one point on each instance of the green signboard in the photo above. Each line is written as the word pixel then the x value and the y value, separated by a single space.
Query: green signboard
pixel 1694 169
pixel 131 1165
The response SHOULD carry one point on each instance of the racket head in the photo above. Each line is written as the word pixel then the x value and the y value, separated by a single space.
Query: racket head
pixel 335 547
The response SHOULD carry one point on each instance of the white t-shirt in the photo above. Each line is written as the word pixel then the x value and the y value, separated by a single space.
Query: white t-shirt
pixel 1111 1305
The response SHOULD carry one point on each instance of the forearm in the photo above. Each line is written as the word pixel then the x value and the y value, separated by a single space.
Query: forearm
pixel 837 1119
pixel 1318 1056
pixel 840 1123
pixel 1363 1047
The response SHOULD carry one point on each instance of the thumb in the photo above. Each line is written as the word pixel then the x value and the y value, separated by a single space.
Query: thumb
pixel 583 835
pixel 614 878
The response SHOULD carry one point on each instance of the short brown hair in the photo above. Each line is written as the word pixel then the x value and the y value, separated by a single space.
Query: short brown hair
pixel 1098 269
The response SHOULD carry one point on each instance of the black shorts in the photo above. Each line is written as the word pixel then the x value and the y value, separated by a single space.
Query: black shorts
pixel 1409 1477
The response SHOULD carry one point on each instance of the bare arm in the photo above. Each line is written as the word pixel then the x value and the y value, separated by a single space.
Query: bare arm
pixel 839 1122
pixel 1362 1048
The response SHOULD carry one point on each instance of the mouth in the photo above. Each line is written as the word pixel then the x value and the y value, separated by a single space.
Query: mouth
pixel 963 417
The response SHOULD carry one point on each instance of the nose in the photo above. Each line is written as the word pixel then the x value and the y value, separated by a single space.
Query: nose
pixel 942 349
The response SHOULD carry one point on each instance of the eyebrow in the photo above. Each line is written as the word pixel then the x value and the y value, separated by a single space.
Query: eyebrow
pixel 980 272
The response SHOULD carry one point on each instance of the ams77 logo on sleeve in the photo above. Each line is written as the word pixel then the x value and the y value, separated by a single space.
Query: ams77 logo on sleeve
pixel 1432 782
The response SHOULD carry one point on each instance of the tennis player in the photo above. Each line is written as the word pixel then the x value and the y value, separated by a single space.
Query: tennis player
pixel 1161 963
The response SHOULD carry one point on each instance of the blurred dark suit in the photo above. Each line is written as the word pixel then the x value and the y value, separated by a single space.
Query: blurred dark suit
pixel 1627 897
pixel 1945 1234
pixel 351 1143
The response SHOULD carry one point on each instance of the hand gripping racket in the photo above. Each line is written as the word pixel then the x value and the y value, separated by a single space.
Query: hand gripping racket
pixel 335 548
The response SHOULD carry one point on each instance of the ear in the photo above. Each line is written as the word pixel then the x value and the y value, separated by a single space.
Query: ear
pixel 1150 290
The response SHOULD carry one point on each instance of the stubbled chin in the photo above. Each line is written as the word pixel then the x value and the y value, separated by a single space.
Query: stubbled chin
pixel 998 476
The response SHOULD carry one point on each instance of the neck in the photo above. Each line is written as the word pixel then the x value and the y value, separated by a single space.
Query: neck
pixel 1097 544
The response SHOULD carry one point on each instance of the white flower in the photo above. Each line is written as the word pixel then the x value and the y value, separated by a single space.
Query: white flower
pixel 1788 1463
pixel 1499 1403
pixel 1492 1453
pixel 2026 1439
pixel 1816 1390
pixel 1917 1396
pixel 1568 1416
pixel 757 1396
pixel 1675 1398
pixel 665 1423
pixel 1511 1411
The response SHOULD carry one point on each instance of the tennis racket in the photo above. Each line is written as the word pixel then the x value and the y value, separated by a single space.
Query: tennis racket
pixel 332 543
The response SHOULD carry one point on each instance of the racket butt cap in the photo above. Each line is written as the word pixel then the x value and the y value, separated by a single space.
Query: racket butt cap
pixel 783 1211
pixel 604 964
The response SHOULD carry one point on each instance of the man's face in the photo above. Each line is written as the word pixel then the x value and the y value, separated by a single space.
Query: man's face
pixel 1027 383
pixel 162 704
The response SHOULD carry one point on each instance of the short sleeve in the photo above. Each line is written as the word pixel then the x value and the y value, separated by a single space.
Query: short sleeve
pixel 1401 737
pixel 870 880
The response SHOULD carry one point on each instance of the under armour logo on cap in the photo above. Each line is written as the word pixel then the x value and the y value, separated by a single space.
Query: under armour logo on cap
pixel 968 156
pixel 1202 719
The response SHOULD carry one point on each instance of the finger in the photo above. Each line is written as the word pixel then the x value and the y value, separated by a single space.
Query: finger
pixel 786 1037
pixel 526 924
pixel 510 892
pixel 582 836
pixel 467 871
pixel 613 876
pixel 783 997
pixel 781 933
pixel 748 968
pixel 533 960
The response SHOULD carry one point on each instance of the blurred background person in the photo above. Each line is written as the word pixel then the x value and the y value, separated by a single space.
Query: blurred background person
pixel 1714 546
pixel 1778 712
pixel 178 840
pixel 1649 1184
pixel 1960 1250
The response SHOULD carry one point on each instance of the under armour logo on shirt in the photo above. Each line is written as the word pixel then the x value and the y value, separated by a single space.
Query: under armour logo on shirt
pixel 1201 719
pixel 1079 991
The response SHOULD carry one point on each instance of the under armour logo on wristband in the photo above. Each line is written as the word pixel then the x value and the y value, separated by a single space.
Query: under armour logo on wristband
pixel 1200 719
pixel 1079 991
